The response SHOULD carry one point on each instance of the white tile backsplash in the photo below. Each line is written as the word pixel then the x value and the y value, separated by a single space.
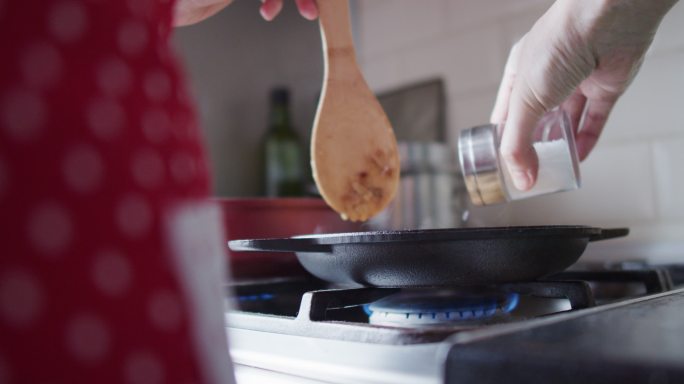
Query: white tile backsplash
pixel 652 105
pixel 668 161
pixel 387 25
pixel 670 36
pixel 466 14
pixel 472 109
pixel 382 73
pixel 459 60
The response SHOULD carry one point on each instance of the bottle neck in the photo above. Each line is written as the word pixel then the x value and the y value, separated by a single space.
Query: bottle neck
pixel 280 117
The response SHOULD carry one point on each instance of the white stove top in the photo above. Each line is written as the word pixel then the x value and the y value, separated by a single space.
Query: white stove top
pixel 258 355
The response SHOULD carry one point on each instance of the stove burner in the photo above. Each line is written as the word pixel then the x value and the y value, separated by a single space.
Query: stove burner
pixel 430 307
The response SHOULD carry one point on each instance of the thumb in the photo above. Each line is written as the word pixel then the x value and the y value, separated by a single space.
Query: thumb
pixel 524 112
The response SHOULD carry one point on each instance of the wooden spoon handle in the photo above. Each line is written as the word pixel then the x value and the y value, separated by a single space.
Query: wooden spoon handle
pixel 335 27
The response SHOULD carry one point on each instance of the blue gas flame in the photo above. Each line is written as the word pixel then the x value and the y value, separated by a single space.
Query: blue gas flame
pixel 256 297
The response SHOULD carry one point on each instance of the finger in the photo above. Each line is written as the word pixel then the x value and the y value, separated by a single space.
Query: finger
pixel 574 105
pixel 308 9
pixel 500 110
pixel 524 111
pixel 185 14
pixel 270 9
pixel 594 120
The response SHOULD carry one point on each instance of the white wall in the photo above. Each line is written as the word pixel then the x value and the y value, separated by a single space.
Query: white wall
pixel 233 60
pixel 635 175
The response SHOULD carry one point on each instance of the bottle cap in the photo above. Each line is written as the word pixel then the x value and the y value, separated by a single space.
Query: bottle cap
pixel 280 95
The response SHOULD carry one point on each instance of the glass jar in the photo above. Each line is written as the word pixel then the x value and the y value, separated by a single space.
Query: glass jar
pixel 487 177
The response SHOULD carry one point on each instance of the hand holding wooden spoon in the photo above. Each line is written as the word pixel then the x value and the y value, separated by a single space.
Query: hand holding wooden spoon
pixel 353 148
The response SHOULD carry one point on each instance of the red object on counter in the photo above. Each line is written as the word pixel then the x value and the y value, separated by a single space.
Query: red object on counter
pixel 254 218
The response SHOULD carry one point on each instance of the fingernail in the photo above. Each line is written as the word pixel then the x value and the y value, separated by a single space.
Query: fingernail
pixel 522 180
pixel 264 14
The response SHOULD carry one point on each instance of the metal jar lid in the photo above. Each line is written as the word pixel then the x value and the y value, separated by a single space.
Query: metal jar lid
pixel 479 158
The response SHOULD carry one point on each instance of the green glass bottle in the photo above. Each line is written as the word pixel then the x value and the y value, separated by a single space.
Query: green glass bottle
pixel 283 151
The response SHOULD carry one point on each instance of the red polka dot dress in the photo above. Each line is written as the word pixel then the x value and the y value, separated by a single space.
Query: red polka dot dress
pixel 111 254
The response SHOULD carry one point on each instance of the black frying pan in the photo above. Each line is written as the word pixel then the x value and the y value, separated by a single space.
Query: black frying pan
pixel 413 258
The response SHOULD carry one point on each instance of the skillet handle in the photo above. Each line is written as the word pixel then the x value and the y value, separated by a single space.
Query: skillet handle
pixel 610 233
pixel 278 245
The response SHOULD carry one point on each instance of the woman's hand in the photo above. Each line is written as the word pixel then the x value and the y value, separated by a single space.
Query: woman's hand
pixel 193 11
pixel 582 54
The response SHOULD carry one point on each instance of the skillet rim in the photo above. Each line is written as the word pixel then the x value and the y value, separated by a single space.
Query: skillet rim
pixel 448 234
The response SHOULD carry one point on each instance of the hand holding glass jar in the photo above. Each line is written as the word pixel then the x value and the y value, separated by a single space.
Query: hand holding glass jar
pixel 581 55
pixel 488 178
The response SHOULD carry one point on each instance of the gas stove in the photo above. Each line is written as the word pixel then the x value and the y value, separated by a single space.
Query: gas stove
pixel 306 330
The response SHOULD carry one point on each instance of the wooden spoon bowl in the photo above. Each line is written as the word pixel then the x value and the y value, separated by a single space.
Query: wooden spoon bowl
pixel 353 149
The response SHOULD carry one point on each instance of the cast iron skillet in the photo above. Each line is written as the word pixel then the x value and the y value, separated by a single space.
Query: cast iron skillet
pixel 414 258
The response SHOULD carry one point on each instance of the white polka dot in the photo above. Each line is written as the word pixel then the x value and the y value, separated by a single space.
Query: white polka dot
pixel 111 273
pixel 133 216
pixel 23 114
pixel 148 168
pixel 4 179
pixel 87 338
pixel 164 310
pixel 50 229
pixel 114 77
pixel 156 125
pixel 183 167
pixel 21 299
pixel 157 85
pixel 132 37
pixel 82 168
pixel 105 118
pixel 68 21
pixel 41 65
pixel 143 368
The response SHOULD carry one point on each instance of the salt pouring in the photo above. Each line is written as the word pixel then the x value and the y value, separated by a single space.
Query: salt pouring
pixel 486 176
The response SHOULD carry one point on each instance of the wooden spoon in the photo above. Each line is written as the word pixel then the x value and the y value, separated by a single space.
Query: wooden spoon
pixel 353 149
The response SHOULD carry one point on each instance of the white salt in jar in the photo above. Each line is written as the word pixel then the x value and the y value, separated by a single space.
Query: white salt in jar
pixel 486 175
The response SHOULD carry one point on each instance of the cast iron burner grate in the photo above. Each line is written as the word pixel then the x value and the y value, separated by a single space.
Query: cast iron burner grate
pixel 313 308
